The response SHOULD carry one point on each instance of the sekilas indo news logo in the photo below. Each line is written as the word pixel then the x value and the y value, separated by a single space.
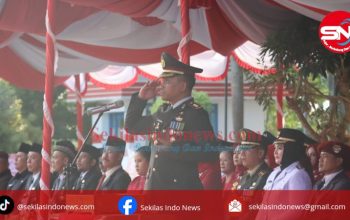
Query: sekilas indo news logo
pixel 334 32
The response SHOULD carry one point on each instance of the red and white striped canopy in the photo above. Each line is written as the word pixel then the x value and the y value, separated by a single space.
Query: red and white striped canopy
pixel 92 35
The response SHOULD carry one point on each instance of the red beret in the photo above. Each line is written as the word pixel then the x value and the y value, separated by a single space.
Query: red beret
pixel 337 149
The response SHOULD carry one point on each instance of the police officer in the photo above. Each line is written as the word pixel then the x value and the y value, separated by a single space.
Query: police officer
pixel 333 163
pixel 180 128
pixel 64 152
pixel 87 165
pixel 18 182
pixel 253 149
pixel 294 171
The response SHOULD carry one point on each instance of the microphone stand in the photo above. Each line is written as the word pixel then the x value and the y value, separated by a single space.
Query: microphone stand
pixel 71 166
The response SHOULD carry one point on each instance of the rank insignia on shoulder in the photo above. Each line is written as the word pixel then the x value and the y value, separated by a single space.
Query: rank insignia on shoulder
pixel 196 106
pixel 261 173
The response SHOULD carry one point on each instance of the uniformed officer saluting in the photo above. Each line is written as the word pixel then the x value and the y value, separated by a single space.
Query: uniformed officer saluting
pixel 173 164
pixel 18 182
pixel 253 149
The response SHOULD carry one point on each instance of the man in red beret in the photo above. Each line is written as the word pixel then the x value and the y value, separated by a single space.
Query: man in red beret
pixel 333 163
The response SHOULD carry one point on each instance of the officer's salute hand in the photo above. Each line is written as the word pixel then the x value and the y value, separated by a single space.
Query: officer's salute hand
pixel 149 90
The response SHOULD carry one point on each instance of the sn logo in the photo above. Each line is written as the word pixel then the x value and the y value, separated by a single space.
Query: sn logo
pixel 6 205
pixel 334 32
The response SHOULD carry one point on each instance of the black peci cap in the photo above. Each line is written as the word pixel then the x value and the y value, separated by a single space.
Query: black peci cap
pixel 36 148
pixel 92 151
pixel 115 144
pixel 24 147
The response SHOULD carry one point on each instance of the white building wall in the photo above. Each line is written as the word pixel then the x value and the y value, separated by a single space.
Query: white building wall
pixel 254 116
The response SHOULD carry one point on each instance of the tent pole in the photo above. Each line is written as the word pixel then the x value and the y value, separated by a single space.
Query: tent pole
pixel 279 105
pixel 48 126
pixel 79 111
pixel 184 46
pixel 226 100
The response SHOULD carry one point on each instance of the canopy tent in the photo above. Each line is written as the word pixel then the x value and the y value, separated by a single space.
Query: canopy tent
pixel 88 35
pixel 94 34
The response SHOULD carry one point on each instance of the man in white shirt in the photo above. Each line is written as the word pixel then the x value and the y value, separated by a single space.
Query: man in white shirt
pixel 333 162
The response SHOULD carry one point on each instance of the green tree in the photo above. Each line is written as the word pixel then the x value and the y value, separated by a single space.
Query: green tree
pixel 303 66
pixel 12 126
pixel 32 111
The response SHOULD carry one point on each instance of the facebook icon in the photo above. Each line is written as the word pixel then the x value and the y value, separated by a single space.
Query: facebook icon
pixel 127 205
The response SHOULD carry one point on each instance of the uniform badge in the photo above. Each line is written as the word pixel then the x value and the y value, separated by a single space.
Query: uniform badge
pixel 336 149
pixel 196 106
pixel 254 184
pixel 179 118
pixel 261 173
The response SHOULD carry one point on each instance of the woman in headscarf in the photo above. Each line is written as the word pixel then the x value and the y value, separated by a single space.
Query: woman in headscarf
pixel 294 171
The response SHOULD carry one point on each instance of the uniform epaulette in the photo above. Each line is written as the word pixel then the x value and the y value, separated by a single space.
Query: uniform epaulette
pixel 164 106
pixel 195 105
pixel 261 173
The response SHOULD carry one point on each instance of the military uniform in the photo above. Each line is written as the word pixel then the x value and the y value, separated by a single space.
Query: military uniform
pixel 256 180
pixel 186 126
pixel 173 167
